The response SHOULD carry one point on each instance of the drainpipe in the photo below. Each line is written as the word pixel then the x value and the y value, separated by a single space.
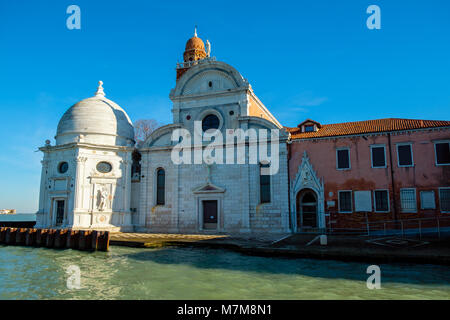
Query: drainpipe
pixel 288 157
pixel 394 202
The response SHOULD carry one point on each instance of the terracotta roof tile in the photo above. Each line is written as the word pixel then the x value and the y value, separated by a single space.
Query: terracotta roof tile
pixel 367 126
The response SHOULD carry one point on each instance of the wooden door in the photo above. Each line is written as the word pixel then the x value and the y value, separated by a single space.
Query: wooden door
pixel 210 214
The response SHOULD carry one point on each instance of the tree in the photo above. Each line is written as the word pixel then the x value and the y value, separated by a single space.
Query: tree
pixel 143 128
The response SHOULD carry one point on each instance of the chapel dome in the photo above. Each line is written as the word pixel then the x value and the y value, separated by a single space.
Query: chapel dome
pixel 95 120
pixel 195 43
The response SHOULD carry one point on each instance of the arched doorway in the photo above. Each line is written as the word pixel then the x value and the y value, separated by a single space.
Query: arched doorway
pixel 306 209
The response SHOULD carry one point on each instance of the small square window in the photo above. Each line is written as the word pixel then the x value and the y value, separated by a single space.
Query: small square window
pixel 378 157
pixel 343 158
pixel 442 153
pixel 309 128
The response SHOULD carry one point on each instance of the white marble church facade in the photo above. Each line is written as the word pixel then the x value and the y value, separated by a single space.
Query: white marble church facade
pixel 88 181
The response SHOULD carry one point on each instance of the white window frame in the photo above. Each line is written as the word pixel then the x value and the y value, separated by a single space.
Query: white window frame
pixel 440 202
pixel 371 155
pixel 349 161
pixel 259 186
pixel 339 201
pixel 435 153
pixel 375 201
pixel 412 154
pixel 421 201
pixel 415 199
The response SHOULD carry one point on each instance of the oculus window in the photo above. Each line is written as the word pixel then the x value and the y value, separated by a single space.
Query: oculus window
pixel 63 167
pixel 104 167
pixel 211 121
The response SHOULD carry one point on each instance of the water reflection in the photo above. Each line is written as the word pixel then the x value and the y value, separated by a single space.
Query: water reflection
pixel 183 273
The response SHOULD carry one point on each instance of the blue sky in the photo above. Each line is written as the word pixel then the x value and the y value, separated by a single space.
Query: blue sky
pixel 304 59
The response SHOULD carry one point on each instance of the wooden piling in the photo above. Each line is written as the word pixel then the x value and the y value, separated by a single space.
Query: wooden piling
pixel 85 240
pixel 61 238
pixel 51 238
pixel 30 237
pixel 41 237
pixel 103 241
pixel 10 238
pixel 94 239
pixel 2 235
pixel 20 236
pixel 73 238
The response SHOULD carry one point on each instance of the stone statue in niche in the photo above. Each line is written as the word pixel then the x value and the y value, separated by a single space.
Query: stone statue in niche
pixel 208 48
pixel 102 198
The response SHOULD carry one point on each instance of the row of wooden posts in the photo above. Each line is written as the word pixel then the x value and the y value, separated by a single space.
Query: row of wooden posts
pixel 56 238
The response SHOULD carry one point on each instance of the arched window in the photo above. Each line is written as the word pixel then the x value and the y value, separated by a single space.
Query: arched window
pixel 264 185
pixel 160 186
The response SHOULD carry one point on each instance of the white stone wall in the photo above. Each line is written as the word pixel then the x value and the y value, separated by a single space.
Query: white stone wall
pixel 82 184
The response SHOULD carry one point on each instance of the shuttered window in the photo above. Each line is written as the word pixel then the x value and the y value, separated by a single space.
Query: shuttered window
pixel 427 200
pixel 343 158
pixel 444 199
pixel 160 187
pixel 442 153
pixel 408 200
pixel 378 157
pixel 404 153
pixel 381 200
pixel 345 201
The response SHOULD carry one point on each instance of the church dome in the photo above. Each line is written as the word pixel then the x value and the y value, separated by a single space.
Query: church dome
pixel 95 120
pixel 195 43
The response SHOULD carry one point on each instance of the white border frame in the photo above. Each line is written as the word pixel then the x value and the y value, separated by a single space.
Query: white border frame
pixel 155 188
pixel 415 198
pixel 440 203
pixel 371 155
pixel 259 185
pixel 412 155
pixel 435 153
pixel 349 160
pixel 339 201
pixel 375 202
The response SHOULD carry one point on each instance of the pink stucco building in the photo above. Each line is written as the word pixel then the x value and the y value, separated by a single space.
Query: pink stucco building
pixel 343 176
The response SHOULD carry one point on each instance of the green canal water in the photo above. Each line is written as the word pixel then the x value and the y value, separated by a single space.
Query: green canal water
pixel 188 273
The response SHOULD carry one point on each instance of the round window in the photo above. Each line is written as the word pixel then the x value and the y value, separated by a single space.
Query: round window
pixel 104 167
pixel 63 167
pixel 211 121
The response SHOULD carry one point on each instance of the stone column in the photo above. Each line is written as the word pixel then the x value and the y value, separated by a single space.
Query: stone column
pixel 42 214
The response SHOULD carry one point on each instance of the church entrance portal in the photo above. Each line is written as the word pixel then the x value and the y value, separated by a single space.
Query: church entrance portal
pixel 209 214
pixel 306 209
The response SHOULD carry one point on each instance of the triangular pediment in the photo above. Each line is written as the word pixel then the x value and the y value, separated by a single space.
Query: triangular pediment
pixel 209 188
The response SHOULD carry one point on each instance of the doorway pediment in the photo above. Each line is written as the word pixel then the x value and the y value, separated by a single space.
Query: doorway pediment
pixel 208 188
